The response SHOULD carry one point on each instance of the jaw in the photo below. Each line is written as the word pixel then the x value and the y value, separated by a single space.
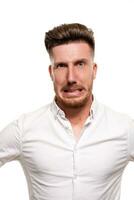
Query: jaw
pixel 73 100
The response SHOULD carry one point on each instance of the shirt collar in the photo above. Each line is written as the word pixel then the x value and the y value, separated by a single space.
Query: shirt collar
pixel 57 111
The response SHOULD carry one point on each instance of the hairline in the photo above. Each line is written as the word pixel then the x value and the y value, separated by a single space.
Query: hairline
pixel 69 42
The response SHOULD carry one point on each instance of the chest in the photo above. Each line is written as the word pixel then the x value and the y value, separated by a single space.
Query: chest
pixel 96 156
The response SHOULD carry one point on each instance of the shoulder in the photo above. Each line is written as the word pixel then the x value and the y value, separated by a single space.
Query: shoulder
pixel 26 120
pixel 116 118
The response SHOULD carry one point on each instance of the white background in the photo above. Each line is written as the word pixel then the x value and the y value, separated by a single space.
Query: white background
pixel 24 80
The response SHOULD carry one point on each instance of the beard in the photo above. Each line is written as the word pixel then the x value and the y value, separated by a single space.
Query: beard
pixel 74 102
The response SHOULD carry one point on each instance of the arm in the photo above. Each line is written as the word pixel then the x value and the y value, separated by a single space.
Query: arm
pixel 10 142
pixel 131 141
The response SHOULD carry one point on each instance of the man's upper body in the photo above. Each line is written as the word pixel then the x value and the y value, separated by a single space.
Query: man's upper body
pixel 74 148
pixel 60 167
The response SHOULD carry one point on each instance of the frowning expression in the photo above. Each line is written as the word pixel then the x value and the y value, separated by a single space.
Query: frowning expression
pixel 72 70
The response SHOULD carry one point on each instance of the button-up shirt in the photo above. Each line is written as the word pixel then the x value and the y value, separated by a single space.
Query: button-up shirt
pixel 56 166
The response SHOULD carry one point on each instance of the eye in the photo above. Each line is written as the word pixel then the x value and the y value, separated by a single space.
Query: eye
pixel 81 64
pixel 60 65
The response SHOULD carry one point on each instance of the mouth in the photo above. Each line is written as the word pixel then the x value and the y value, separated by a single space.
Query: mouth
pixel 73 92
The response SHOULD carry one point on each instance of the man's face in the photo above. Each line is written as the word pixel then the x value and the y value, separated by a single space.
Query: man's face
pixel 72 70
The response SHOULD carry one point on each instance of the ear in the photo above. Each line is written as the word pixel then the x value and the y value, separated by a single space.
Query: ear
pixel 50 72
pixel 94 70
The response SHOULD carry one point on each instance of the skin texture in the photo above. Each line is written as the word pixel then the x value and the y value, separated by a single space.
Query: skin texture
pixel 73 71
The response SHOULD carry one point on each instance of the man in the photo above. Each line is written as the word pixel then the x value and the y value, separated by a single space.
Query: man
pixel 74 148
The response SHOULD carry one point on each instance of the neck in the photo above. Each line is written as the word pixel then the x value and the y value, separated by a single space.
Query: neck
pixel 78 115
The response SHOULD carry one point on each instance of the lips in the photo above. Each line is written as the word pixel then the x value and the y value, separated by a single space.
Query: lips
pixel 73 91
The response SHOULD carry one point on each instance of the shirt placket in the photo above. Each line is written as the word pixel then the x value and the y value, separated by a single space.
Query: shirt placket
pixel 75 152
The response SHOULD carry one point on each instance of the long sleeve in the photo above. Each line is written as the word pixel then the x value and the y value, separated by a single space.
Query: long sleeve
pixel 10 142
pixel 131 141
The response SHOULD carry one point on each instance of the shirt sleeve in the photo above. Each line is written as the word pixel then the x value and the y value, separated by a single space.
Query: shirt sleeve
pixel 10 142
pixel 131 141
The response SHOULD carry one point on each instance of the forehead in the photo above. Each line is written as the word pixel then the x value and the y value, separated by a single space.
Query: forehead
pixel 71 51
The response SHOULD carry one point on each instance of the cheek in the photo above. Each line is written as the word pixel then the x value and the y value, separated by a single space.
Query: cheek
pixel 90 75
pixel 86 78
pixel 59 81
pixel 87 81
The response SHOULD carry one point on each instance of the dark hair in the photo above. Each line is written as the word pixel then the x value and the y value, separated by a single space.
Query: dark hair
pixel 66 33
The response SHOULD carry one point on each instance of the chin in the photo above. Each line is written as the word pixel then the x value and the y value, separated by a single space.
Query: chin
pixel 73 103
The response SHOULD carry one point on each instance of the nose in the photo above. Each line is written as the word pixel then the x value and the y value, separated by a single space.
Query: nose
pixel 71 76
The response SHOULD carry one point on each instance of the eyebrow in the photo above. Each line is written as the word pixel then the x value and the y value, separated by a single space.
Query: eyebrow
pixel 75 62
pixel 57 63
pixel 81 60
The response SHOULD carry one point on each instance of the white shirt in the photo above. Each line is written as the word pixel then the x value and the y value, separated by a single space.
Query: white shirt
pixel 59 168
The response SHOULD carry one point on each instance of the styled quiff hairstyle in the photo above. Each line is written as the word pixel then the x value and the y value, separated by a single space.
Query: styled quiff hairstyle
pixel 67 33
